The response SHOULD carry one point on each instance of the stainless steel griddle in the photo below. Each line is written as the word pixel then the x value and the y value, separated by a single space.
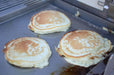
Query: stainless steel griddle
pixel 16 26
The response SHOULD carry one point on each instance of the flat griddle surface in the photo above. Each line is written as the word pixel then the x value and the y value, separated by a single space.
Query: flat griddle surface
pixel 18 27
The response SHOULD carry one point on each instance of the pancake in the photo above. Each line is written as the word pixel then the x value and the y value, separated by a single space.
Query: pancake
pixel 49 21
pixel 27 52
pixel 83 47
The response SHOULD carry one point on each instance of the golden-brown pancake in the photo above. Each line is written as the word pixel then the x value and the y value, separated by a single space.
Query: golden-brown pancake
pixel 49 21
pixel 83 47
pixel 27 52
